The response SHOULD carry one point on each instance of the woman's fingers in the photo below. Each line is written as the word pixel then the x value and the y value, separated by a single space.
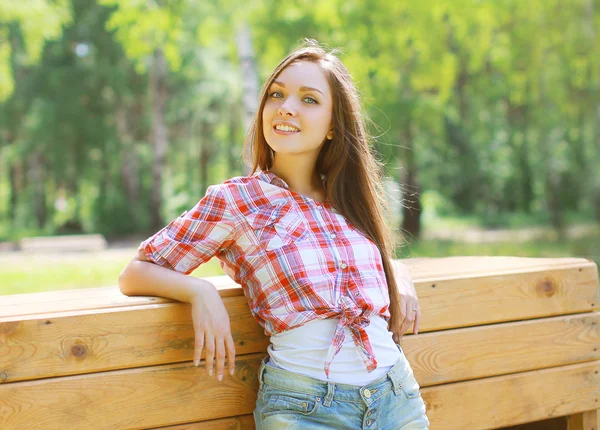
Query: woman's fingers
pixel 199 344
pixel 220 343
pixel 210 353
pixel 408 320
pixel 230 346
pixel 417 321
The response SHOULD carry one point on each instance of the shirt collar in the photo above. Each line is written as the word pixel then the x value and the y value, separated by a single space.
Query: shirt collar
pixel 271 178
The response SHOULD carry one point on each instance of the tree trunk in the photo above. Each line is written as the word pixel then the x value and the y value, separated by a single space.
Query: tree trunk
pixel 596 178
pixel 207 147
pixel 411 189
pixel 233 147
pixel 249 77
pixel 158 134
pixel 129 161
pixel 37 178
pixel 15 172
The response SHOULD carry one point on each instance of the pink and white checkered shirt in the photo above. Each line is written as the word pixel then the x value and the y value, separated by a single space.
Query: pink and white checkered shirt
pixel 296 259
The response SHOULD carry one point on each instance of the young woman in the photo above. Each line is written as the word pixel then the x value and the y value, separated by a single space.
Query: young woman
pixel 305 236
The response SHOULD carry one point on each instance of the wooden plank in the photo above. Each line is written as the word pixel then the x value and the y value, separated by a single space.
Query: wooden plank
pixel 130 399
pixel 434 267
pixel 587 420
pixel 163 395
pixel 507 280
pixel 113 339
pixel 121 338
pixel 23 305
pixel 499 349
pixel 513 399
pixel 244 422
pixel 472 301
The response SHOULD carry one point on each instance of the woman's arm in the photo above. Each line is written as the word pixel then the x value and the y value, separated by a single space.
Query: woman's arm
pixel 210 318
pixel 143 278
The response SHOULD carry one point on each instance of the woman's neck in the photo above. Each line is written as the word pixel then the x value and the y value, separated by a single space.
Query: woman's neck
pixel 302 182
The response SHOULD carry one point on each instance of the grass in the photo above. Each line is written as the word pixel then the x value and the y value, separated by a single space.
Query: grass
pixel 28 273
pixel 585 247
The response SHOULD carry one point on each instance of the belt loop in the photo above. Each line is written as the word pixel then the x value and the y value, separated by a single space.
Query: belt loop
pixel 261 370
pixel 329 396
pixel 395 381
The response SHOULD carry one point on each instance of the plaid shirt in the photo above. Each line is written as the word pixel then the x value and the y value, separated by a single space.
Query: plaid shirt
pixel 296 259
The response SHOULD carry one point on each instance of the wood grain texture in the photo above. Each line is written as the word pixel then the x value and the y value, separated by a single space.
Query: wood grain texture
pixel 142 334
pixel 501 401
pixel 94 341
pixel 498 349
pixel 486 299
pixel 160 334
pixel 502 341
pixel 171 395
pixel 139 398
pixel 243 422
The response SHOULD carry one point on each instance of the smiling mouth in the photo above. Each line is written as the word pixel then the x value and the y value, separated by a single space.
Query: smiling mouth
pixel 285 132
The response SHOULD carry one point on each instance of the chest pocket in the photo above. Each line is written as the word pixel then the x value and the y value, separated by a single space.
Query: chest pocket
pixel 277 225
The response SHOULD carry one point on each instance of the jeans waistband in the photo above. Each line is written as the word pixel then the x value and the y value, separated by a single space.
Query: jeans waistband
pixel 295 382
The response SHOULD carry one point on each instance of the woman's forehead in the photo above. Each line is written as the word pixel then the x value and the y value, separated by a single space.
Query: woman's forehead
pixel 303 74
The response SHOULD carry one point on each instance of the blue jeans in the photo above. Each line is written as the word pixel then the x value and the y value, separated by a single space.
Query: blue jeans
pixel 288 400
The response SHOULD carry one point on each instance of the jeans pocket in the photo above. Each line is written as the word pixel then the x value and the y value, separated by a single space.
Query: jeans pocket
pixel 410 387
pixel 289 402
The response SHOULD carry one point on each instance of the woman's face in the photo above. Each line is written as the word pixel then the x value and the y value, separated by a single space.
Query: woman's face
pixel 301 98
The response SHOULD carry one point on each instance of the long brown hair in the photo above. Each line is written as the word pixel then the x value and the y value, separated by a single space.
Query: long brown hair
pixel 354 176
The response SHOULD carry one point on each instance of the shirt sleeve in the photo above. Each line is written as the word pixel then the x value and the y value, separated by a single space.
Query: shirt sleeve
pixel 195 236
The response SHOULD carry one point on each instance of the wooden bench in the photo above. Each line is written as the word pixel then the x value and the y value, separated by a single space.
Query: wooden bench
pixel 70 243
pixel 503 341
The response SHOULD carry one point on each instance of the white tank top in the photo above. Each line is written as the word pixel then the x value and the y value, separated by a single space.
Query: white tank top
pixel 304 350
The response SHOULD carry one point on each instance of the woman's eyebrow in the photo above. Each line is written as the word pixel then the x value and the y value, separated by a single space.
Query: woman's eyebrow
pixel 303 88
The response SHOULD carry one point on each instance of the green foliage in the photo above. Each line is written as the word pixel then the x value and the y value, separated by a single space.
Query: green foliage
pixel 493 104
pixel 39 21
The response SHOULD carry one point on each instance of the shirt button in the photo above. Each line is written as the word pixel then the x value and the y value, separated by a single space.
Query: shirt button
pixel 332 235
pixel 319 208
pixel 343 265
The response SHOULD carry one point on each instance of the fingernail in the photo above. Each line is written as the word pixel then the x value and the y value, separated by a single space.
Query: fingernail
pixel 232 371
pixel 210 372
pixel 220 377
pixel 196 362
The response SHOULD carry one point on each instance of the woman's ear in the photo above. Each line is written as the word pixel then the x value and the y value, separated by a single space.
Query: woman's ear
pixel 330 134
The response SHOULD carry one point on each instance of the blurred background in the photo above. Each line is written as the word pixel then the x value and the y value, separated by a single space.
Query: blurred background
pixel 115 116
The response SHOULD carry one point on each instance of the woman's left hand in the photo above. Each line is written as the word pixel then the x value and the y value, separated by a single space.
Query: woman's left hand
pixel 409 312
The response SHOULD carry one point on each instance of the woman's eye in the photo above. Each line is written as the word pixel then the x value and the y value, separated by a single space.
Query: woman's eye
pixel 278 95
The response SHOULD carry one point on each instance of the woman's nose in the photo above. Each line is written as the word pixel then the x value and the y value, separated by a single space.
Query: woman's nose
pixel 286 109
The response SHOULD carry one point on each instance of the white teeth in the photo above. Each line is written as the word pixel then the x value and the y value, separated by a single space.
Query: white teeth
pixel 285 128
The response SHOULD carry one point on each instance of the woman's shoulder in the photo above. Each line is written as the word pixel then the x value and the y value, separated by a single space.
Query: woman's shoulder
pixel 249 193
